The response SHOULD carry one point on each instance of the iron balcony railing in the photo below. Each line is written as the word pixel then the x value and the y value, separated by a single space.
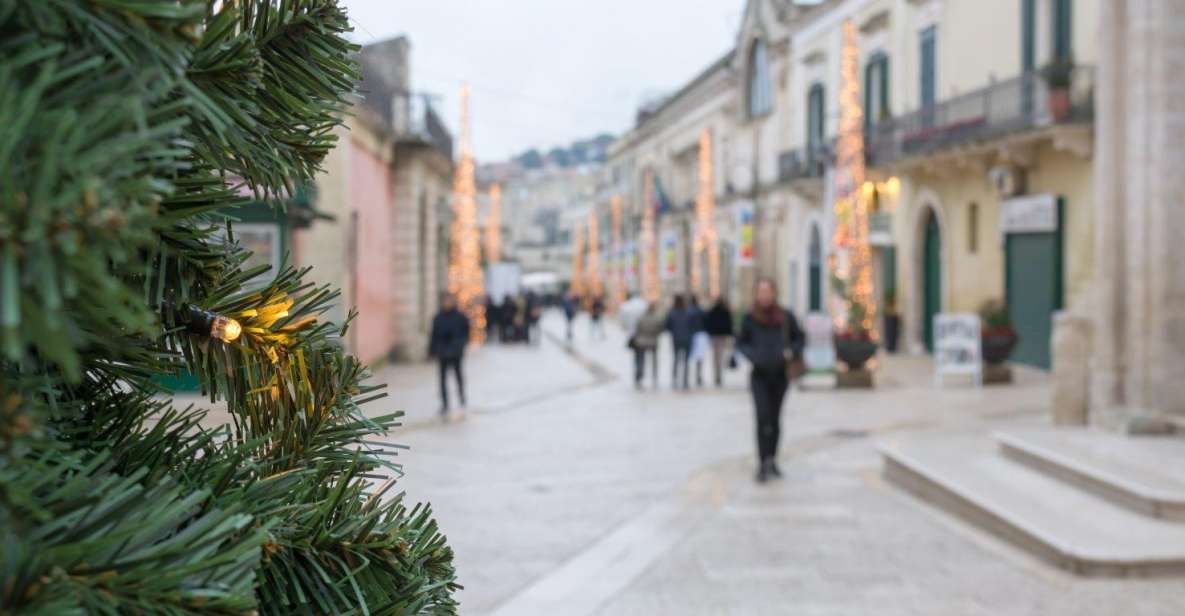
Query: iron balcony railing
pixel 414 118
pixel 1018 104
pixel 805 163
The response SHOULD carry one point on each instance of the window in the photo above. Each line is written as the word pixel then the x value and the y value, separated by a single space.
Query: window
pixel 1028 39
pixel 760 92
pixel 973 228
pixel 928 81
pixel 876 90
pixel 814 120
pixel 1062 29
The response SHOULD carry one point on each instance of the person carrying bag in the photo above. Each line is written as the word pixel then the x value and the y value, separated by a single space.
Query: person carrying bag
pixel 770 339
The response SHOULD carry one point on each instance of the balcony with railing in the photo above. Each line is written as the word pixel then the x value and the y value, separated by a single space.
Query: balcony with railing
pixel 804 163
pixel 1023 103
pixel 414 119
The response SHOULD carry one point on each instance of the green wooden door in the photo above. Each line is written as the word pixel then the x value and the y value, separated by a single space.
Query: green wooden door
pixel 815 274
pixel 1033 294
pixel 932 280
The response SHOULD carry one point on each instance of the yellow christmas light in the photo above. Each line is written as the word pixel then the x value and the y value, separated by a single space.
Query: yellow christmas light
pixel 618 258
pixel 465 280
pixel 852 260
pixel 595 286
pixel 494 226
pixel 577 287
pixel 705 215
pixel 650 289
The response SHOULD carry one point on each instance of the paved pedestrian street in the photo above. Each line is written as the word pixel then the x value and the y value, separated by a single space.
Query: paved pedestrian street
pixel 565 491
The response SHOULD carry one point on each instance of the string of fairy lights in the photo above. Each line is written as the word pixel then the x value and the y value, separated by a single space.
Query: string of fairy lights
pixel 705 216
pixel 465 278
pixel 595 284
pixel 851 259
pixel 650 286
pixel 618 273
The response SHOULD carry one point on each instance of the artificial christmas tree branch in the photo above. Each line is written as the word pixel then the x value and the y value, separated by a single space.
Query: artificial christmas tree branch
pixel 127 133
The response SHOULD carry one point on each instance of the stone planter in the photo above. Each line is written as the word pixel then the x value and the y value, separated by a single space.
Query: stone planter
pixel 997 347
pixel 854 353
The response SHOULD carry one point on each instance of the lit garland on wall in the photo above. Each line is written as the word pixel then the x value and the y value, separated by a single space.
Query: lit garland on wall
pixel 465 280
pixel 595 285
pixel 851 261
pixel 618 258
pixel 650 289
pixel 705 215
pixel 494 226
pixel 577 287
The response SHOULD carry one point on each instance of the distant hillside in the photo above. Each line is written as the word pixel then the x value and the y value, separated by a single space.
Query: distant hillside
pixel 585 151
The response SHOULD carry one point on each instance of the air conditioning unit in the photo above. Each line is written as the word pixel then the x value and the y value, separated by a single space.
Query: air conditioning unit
pixel 1008 181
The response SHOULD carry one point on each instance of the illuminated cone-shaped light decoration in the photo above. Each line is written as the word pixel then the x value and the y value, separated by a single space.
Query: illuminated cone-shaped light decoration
pixel 619 258
pixel 494 226
pixel 595 285
pixel 705 217
pixel 464 267
pixel 649 242
pixel 851 261
pixel 577 287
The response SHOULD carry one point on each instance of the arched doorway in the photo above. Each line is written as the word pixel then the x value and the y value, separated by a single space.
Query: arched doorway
pixel 931 278
pixel 815 275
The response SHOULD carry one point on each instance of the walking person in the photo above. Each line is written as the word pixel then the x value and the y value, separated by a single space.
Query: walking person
pixel 769 338
pixel 699 340
pixel 681 325
pixel 569 306
pixel 631 310
pixel 719 327
pixel 650 325
pixel 450 335
pixel 597 312
pixel 534 311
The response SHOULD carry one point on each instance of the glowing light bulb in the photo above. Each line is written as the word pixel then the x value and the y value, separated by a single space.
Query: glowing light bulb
pixel 225 329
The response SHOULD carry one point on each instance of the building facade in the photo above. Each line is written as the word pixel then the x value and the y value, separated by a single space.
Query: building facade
pixel 979 166
pixel 385 187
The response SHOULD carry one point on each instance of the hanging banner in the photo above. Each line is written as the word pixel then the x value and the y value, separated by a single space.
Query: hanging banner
pixel 670 263
pixel 746 215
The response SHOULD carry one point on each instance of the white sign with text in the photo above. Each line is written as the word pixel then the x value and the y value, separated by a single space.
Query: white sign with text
pixel 1029 214
pixel 819 352
pixel 957 347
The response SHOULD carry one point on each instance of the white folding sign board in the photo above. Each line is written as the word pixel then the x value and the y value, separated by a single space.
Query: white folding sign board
pixel 819 352
pixel 957 347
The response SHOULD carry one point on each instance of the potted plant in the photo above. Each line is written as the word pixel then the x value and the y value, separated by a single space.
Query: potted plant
pixel 998 335
pixel 892 321
pixel 854 345
pixel 1059 75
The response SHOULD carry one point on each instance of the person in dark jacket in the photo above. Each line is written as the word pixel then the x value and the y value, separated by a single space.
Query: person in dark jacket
pixel 681 323
pixel 697 328
pixel 569 306
pixel 718 325
pixel 769 339
pixel 596 313
pixel 450 335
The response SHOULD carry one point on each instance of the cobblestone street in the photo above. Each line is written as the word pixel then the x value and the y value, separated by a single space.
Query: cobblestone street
pixel 564 490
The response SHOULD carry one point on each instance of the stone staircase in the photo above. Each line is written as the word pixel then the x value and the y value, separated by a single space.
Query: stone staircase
pixel 1094 503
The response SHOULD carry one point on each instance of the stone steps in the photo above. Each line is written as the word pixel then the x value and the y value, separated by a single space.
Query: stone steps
pixel 1140 473
pixel 1057 521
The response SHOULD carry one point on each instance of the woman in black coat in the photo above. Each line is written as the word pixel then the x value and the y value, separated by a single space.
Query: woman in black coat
pixel 769 339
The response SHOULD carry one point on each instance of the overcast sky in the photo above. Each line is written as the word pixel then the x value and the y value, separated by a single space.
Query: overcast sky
pixel 547 72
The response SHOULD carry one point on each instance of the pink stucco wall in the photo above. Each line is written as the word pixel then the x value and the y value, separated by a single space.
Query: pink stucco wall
pixel 371 197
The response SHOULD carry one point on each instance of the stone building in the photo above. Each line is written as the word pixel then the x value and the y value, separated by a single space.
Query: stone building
pixel 979 173
pixel 385 186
